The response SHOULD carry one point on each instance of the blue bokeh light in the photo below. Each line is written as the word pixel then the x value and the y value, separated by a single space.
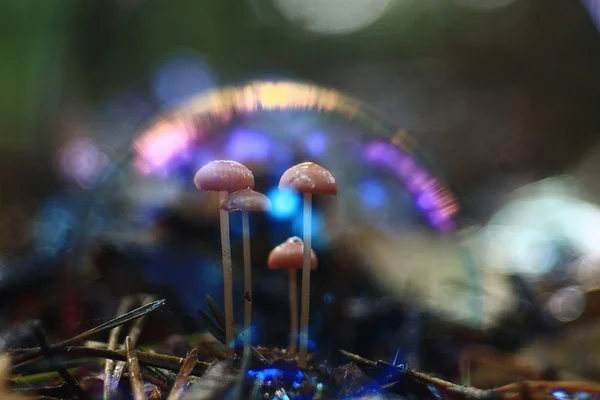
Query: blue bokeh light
pixel 181 77
pixel 560 394
pixel 285 203
pixel 316 144
pixel 276 373
pixel 247 145
pixel 372 193
pixel 593 8
pixel 317 237
pixel 52 226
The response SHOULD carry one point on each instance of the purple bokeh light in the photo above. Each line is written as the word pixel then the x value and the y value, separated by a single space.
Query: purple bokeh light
pixel 593 8
pixel 316 143
pixel 382 153
pixel 438 206
pixel 427 201
pixel 162 144
pixel 81 161
pixel 246 145
pixel 372 193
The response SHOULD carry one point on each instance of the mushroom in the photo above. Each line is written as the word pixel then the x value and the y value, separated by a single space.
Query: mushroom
pixel 246 200
pixel 307 178
pixel 289 255
pixel 225 176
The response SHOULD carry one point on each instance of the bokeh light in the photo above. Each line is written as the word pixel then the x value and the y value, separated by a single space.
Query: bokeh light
pixel 586 271
pixel 181 76
pixel 81 161
pixel 318 238
pixel 433 199
pixel 373 193
pixel 246 145
pixel 167 140
pixel 285 204
pixel 567 304
pixel 164 142
pixel 333 16
pixel 593 8
pixel 52 227
pixel 316 143
pixel 544 223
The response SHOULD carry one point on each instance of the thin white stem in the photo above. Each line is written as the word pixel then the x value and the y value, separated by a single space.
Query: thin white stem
pixel 304 313
pixel 465 369
pixel 293 289
pixel 247 272
pixel 227 276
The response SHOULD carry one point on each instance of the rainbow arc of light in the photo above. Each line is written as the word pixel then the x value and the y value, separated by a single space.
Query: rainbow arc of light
pixel 169 135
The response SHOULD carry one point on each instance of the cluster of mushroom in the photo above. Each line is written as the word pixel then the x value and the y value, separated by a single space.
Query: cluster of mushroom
pixel 235 183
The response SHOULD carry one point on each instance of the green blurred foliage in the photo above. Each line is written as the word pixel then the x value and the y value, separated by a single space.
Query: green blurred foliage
pixel 32 44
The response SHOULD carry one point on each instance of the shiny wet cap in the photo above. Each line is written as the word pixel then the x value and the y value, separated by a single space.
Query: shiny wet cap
pixel 308 177
pixel 289 255
pixel 224 176
pixel 246 200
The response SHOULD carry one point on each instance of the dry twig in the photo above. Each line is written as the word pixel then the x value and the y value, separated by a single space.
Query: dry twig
pixel 124 306
pixel 135 374
pixel 183 376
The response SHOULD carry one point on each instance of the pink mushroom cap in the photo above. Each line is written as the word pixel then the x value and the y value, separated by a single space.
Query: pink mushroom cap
pixel 289 255
pixel 308 177
pixel 224 176
pixel 246 200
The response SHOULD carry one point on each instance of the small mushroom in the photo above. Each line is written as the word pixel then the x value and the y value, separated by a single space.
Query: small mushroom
pixel 307 178
pixel 289 255
pixel 225 176
pixel 246 200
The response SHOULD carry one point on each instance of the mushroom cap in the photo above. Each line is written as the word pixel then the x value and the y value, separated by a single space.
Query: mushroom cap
pixel 224 176
pixel 289 255
pixel 308 177
pixel 246 200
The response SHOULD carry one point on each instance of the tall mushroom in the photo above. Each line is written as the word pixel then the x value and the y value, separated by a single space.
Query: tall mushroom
pixel 225 176
pixel 307 178
pixel 289 255
pixel 246 200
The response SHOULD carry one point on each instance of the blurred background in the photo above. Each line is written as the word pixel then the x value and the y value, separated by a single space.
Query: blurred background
pixel 502 97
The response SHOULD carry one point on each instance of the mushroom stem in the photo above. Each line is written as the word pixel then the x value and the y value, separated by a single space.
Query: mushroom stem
pixel 227 276
pixel 304 314
pixel 247 271
pixel 293 289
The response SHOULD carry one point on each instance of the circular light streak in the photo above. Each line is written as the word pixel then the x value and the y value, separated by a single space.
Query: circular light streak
pixel 333 16
pixel 165 139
